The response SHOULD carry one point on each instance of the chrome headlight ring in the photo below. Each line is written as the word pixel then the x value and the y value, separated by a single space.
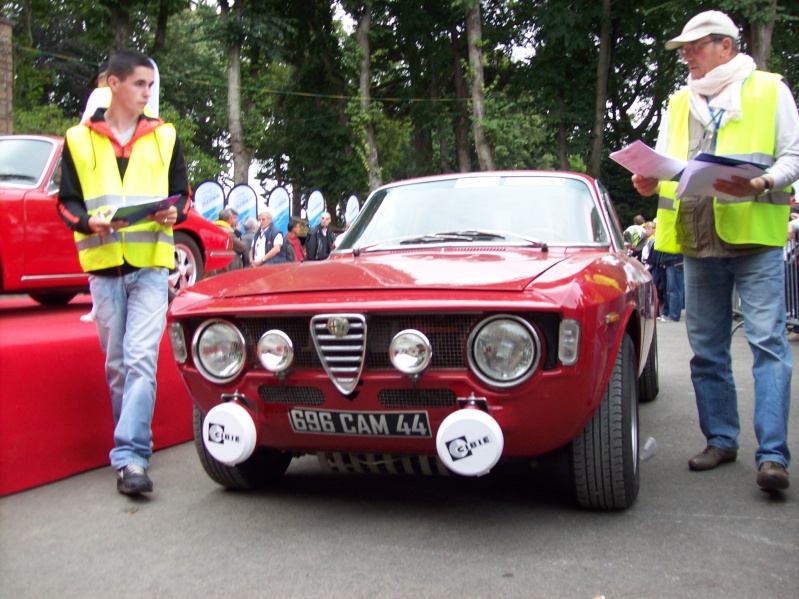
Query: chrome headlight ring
pixel 410 352
pixel 504 350
pixel 275 351
pixel 219 350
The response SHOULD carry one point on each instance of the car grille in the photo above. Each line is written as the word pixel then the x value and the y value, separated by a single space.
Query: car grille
pixel 381 463
pixel 364 348
pixel 447 334
pixel 340 341
pixel 416 398
pixel 299 396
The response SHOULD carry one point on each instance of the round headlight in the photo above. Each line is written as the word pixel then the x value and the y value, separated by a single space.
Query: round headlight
pixel 219 351
pixel 504 350
pixel 410 352
pixel 275 351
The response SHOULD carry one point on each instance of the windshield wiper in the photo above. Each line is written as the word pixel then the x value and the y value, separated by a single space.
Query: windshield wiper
pixel 9 176
pixel 469 235
pixel 475 235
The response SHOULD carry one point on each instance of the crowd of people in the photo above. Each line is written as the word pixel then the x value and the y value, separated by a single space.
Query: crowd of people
pixel 260 243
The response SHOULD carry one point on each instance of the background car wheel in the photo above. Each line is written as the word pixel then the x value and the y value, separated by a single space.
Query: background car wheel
pixel 604 456
pixel 52 299
pixel 648 382
pixel 263 469
pixel 188 263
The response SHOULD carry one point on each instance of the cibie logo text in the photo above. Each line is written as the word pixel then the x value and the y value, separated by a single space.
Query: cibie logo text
pixel 460 448
pixel 217 434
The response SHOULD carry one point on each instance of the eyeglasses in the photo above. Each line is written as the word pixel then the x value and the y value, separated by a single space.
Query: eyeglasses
pixel 690 50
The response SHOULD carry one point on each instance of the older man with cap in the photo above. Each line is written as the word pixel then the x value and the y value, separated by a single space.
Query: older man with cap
pixel 730 108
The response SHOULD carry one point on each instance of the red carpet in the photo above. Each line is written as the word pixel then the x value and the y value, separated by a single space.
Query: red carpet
pixel 55 412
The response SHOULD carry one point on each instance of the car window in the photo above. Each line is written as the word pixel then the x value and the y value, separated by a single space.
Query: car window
pixel 555 209
pixel 615 227
pixel 22 161
pixel 55 181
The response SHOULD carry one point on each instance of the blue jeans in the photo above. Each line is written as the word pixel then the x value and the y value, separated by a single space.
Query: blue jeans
pixel 760 281
pixel 130 312
pixel 675 289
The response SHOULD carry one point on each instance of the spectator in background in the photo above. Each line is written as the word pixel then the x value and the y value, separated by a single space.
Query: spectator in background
pixel 320 240
pixel 651 259
pixel 671 266
pixel 250 229
pixel 635 236
pixel 293 247
pixel 267 246
pixel 228 221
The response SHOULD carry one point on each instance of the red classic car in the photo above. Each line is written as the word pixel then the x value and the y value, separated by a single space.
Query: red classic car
pixel 462 320
pixel 37 251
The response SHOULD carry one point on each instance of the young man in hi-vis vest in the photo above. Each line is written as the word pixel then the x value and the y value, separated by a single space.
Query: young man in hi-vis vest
pixel 117 158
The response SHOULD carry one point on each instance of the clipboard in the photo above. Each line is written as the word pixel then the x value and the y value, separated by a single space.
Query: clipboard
pixel 134 214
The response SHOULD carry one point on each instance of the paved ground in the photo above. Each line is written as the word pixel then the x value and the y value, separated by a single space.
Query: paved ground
pixel 511 534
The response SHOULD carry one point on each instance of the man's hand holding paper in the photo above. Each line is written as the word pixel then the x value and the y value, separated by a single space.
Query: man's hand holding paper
pixel 701 178
pixel 705 175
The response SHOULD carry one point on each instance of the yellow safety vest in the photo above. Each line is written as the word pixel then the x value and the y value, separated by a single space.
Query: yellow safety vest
pixel 145 244
pixel 756 220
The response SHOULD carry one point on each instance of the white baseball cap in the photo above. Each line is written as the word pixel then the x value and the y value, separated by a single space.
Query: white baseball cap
pixel 710 22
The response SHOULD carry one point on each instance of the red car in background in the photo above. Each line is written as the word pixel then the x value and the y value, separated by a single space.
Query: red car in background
pixel 37 251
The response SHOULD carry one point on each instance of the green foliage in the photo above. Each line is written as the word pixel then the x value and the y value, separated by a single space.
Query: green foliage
pixel 42 120
pixel 300 108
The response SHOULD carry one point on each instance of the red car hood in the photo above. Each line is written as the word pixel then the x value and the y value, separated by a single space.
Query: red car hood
pixel 500 269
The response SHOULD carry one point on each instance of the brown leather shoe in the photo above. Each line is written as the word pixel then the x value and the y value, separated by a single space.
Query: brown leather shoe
pixel 711 457
pixel 772 476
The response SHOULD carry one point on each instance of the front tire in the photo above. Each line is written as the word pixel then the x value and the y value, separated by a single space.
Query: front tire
pixel 260 471
pixel 649 381
pixel 604 456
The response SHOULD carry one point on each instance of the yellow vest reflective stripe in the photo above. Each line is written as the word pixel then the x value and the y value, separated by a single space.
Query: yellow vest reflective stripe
pixel 144 244
pixel 749 220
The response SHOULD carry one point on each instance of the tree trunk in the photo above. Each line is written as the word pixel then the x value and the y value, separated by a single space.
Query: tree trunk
pixel 601 100
pixel 160 32
pixel 462 152
pixel 485 154
pixel 563 138
pixel 364 85
pixel 761 31
pixel 239 153
pixel 120 24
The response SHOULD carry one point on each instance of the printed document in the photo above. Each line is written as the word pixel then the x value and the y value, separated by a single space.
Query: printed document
pixel 696 177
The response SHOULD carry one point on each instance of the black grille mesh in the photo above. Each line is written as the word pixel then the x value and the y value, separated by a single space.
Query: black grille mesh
pixel 416 398
pixel 300 396
pixel 447 334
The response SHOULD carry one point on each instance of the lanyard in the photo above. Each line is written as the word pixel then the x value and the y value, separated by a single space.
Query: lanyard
pixel 716 118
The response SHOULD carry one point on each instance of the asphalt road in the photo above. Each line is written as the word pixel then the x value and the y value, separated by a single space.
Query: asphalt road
pixel 513 533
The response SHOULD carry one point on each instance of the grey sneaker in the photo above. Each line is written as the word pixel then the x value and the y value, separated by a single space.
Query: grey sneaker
pixel 133 480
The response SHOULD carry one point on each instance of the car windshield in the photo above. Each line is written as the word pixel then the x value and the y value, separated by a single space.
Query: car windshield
pixel 23 160
pixel 523 209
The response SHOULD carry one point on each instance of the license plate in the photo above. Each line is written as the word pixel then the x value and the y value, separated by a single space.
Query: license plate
pixel 365 424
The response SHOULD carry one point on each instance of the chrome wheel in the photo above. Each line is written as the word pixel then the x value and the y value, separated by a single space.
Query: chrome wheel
pixel 188 264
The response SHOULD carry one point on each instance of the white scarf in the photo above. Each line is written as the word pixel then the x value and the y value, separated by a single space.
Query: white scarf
pixel 723 86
